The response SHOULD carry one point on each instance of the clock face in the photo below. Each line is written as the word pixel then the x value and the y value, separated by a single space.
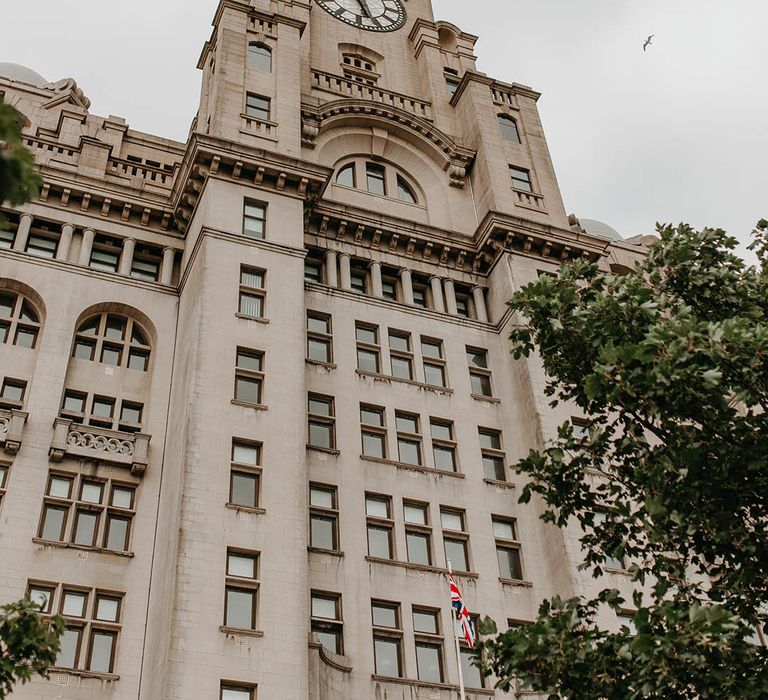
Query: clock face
pixel 373 15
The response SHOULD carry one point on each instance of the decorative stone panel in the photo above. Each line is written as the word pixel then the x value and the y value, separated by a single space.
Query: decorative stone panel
pixel 11 429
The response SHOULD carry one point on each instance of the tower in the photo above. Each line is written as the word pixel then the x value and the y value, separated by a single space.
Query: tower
pixel 256 386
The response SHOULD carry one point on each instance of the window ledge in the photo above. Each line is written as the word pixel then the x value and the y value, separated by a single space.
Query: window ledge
pixel 413 467
pixel 82 548
pixel 487 399
pixel 618 572
pixel 85 674
pixel 377 376
pixel 10 404
pixel 237 632
pixel 426 684
pixel 500 484
pixel 245 509
pixel 254 406
pixel 324 450
pixel 318 363
pixel 330 552
pixel 515 583
pixel 257 319
pixel 421 567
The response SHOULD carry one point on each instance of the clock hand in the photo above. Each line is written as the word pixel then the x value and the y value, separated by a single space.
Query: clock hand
pixel 366 8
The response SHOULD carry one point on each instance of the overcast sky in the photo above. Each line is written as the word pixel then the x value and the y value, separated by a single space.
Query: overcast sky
pixel 677 133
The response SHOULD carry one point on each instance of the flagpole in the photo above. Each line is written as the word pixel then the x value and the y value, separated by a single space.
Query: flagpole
pixel 462 695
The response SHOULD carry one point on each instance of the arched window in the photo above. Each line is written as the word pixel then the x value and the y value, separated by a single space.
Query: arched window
pixel 19 322
pixel 346 175
pixel 509 129
pixel 112 340
pixel 259 57
pixel 405 191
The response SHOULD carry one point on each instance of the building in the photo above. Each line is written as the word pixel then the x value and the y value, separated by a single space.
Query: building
pixel 256 388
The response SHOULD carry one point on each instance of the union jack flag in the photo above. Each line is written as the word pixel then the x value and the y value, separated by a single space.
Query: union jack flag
pixel 462 614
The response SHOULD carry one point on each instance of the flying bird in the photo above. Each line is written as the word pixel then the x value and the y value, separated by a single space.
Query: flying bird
pixel 648 42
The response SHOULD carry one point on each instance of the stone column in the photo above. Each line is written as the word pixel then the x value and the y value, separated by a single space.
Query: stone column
pixel 166 269
pixel 378 291
pixel 450 297
pixel 407 284
pixel 345 273
pixel 126 257
pixel 331 273
pixel 479 296
pixel 22 234
pixel 86 246
pixel 437 294
pixel 65 242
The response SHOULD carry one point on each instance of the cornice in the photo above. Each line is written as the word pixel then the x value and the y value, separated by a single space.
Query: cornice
pixel 514 89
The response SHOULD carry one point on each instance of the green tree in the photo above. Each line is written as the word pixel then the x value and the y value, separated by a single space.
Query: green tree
pixel 29 644
pixel 669 366
pixel 19 179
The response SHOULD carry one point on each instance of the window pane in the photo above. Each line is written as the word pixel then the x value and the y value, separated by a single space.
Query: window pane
pixel 376 507
pixel 420 297
pixel 130 413
pixel 493 468
pixel 102 645
pixel 122 497
pixel 235 694
pixel 53 523
pixel 445 459
pixel 12 392
pixel 434 375
pixel 481 384
pixel 69 641
pixel 117 534
pixel 60 487
pixel 110 355
pixel 312 271
pixel 145 270
pixel 371 416
pixel 471 673
pixel 387 653
pixel 409 452
pixel 508 128
pixel 91 493
pixel 241 565
pixel 107 609
pixel 239 608
pixel 384 616
pixel 259 57
pixel 375 179
pixel 330 640
pixel 83 350
pixel 318 350
pixel 104 260
pixel 245 454
pixel 366 335
pixel 318 324
pixel 404 191
pixel 324 607
pixel 418 548
pixel 85 529
pixel 250 305
pixel 320 435
pixel 41 597
pixel 389 289
pixel 346 175
pixel 321 498
pixel 373 445
pixel 425 622
pixel 452 521
pixel 25 338
pixel 407 424
pixel 320 407
pixel 357 279
pixel 402 368
pixel 367 360
pixel 456 553
pixel 74 604
pixel 248 389
pixel 379 542
pixel 415 514
pixel 428 663
pixel 244 489
pixel 251 278
pixel 490 440
pixel 74 403
pixel 509 563
pixel 441 431
pixel 477 358
pixel 102 408
pixel 399 342
pixel 138 360
pixel 322 532
pixel 249 361
pixel 504 529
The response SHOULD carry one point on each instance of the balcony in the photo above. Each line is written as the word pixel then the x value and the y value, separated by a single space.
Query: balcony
pixel 11 428
pixel 72 439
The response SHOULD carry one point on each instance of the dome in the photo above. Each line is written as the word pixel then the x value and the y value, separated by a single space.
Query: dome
pixel 22 74
pixel 600 229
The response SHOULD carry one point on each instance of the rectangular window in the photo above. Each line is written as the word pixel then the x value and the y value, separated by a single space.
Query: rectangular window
pixel 358 278
pixel 105 254
pixel 408 438
pixel 611 561
pixel 521 178
pixel 257 106
pixel 373 431
pixel 429 645
pixel 463 303
pixel 12 392
pixel 146 264
pixel 420 297
pixel 249 377
pixel 389 286
pixel 368 349
pixel 580 428
pixel 254 219
pixel 451 84
pixel 443 444
pixel 380 526
pixel 400 354
pixel 479 374
pixel 387 638
pixel 434 362
pixel 508 549
pixel 418 533
pixel 7 238
pixel 321 421
pixel 237 691
pixel 471 673
pixel 493 458
pixel 313 268
pixel 323 517
pixel 326 620
pixel 101 512
pixel 41 246
pixel 455 538
pixel 376 179
pixel 241 589
pixel 319 337
pixel 245 474
pixel 252 292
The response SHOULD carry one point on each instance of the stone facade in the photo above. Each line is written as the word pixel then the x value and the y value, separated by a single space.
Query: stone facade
pixel 154 305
